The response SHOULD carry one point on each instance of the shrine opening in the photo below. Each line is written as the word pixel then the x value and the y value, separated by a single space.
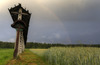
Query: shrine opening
pixel 21 19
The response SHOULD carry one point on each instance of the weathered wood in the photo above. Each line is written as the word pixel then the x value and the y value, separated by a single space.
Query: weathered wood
pixel 16 47
pixel 21 19
pixel 21 43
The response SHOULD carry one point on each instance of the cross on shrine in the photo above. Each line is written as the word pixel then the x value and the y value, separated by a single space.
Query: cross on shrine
pixel 20 13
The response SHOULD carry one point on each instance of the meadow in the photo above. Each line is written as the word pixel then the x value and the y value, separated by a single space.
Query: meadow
pixel 39 52
pixel 73 56
pixel 5 56
pixel 27 58
pixel 54 56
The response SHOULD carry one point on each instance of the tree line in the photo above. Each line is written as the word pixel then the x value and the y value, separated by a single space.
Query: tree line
pixel 45 45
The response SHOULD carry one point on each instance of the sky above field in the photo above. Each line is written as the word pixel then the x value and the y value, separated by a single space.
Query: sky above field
pixel 55 21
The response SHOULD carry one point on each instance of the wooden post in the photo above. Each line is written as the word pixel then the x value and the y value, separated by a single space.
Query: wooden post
pixel 19 45
pixel 16 45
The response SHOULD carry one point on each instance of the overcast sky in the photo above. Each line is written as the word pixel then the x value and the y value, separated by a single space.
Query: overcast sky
pixel 55 21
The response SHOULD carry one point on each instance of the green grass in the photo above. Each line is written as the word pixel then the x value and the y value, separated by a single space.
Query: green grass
pixel 39 52
pixel 5 55
pixel 53 56
pixel 73 56
pixel 27 58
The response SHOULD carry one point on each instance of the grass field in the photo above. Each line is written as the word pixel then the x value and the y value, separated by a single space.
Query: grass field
pixel 53 56
pixel 39 52
pixel 5 55
pixel 70 56
pixel 27 58
pixel 73 56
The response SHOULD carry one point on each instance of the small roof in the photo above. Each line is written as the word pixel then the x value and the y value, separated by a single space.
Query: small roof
pixel 16 9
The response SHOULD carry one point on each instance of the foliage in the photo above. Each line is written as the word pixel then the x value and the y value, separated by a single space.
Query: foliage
pixel 30 45
pixel 46 45
pixel 73 56
pixel 42 45
pixel 6 45
pixel 5 55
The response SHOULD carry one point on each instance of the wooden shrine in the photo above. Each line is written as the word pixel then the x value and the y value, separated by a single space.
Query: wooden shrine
pixel 21 19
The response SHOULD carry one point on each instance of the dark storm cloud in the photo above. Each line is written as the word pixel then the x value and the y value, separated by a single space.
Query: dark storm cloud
pixel 77 11
pixel 55 21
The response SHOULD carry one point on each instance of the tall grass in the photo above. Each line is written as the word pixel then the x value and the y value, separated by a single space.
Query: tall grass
pixel 5 55
pixel 73 56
